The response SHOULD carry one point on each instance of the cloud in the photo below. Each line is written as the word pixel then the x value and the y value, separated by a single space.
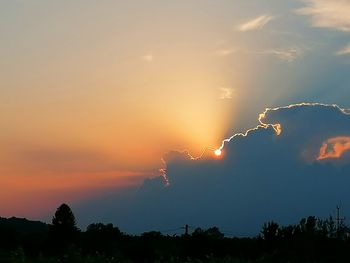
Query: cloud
pixel 225 52
pixel 147 57
pixel 226 93
pixel 334 148
pixel 333 14
pixel 344 51
pixel 285 54
pixel 270 172
pixel 256 23
pixel 288 55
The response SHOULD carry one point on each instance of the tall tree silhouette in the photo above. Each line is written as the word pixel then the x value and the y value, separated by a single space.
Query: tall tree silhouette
pixel 63 229
pixel 64 219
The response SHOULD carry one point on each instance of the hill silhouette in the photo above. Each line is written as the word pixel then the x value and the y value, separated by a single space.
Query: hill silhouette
pixel 23 226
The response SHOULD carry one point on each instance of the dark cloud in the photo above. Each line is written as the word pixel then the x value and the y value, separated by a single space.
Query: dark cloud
pixel 260 176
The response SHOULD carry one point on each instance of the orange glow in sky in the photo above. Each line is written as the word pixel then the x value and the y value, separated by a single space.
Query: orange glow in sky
pixel 82 110
pixel 334 147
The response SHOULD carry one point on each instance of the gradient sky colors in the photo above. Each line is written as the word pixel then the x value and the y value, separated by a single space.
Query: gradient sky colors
pixel 94 93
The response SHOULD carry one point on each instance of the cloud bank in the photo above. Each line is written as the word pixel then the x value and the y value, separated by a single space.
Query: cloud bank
pixel 286 167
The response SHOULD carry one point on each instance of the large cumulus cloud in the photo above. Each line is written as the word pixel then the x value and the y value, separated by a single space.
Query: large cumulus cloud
pixel 273 171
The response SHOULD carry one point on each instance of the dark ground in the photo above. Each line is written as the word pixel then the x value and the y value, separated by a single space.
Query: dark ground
pixel 311 240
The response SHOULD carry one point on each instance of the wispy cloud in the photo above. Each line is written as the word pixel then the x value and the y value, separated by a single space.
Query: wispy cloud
pixel 333 14
pixel 344 51
pixel 147 57
pixel 225 52
pixel 256 23
pixel 288 55
pixel 226 93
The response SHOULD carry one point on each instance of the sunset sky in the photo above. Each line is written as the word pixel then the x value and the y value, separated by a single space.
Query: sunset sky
pixel 94 93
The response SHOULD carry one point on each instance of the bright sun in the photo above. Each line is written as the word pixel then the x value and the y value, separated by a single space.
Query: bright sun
pixel 217 152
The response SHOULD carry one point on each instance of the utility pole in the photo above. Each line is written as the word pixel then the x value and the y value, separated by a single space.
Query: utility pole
pixel 186 230
pixel 339 219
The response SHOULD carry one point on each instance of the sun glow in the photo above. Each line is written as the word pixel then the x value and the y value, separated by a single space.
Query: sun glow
pixel 217 152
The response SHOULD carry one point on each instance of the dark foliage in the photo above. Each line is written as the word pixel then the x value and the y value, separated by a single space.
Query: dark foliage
pixel 311 240
pixel 63 232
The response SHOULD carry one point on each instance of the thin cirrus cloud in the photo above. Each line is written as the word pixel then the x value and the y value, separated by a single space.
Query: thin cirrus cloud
pixel 284 54
pixel 288 55
pixel 255 24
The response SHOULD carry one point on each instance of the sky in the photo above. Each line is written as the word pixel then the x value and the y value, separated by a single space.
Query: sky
pixel 95 94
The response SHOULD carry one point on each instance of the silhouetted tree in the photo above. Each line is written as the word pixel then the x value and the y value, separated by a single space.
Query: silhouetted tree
pixel 107 235
pixel 214 233
pixel 103 230
pixel 152 234
pixel 63 230
pixel 287 232
pixel 327 227
pixel 309 226
pixel 64 219
pixel 270 231
pixel 198 232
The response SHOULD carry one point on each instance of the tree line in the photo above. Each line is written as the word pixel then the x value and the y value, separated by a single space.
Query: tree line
pixel 311 240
